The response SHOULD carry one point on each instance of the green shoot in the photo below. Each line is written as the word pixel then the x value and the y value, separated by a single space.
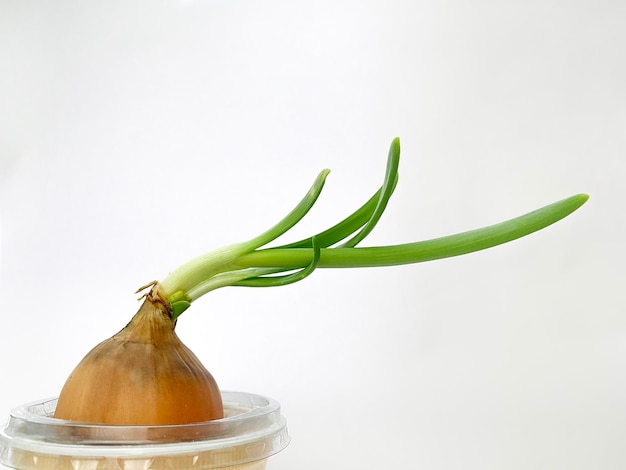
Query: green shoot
pixel 249 264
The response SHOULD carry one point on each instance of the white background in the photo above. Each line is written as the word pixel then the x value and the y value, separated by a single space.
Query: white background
pixel 135 135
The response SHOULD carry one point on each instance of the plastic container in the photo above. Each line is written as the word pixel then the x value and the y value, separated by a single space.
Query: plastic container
pixel 253 430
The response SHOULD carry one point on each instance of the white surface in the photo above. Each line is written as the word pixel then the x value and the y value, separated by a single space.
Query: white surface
pixel 135 135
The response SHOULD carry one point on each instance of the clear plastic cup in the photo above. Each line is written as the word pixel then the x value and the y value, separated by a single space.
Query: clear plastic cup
pixel 252 430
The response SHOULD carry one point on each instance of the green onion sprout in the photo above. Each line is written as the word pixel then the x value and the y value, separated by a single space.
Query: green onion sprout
pixel 251 264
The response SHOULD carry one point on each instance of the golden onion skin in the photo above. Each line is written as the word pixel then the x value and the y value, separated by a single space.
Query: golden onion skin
pixel 143 375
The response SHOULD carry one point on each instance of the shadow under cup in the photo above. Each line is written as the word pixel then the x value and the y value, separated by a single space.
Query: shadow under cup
pixel 252 430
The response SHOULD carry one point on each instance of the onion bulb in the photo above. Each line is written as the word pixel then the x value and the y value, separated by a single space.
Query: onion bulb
pixel 143 375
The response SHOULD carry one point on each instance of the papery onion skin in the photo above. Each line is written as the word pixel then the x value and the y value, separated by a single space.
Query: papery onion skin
pixel 143 375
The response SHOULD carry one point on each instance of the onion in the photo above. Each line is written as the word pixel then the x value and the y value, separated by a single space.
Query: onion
pixel 145 375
